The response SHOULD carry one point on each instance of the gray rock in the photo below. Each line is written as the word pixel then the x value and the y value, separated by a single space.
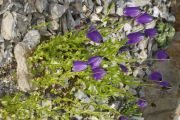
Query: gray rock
pixel 1 48
pixel 30 7
pixel 57 10
pixel 1 2
pixel 70 21
pixel 54 24
pixel 32 39
pixel 8 28
pixel 41 5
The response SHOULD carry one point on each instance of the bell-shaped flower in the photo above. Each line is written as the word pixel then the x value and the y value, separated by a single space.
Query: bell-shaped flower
pixel 161 55
pixel 94 35
pixel 95 61
pixel 155 76
pixel 142 103
pixel 165 84
pixel 123 118
pixel 152 32
pixel 131 11
pixel 98 73
pixel 144 18
pixel 79 66
pixel 123 49
pixel 135 37
pixel 123 68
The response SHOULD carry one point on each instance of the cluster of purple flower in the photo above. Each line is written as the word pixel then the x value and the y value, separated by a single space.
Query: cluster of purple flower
pixel 94 62
pixel 94 35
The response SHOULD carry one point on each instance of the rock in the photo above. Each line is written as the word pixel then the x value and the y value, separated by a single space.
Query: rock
pixel 41 5
pixel 54 25
pixel 119 11
pixel 57 10
pixel 64 24
pixel 1 2
pixel 127 28
pixel 95 17
pixel 142 44
pixel 143 55
pixel 1 48
pixel 99 9
pixel 82 96
pixel 29 7
pixel 138 72
pixel 32 39
pixel 150 25
pixel 9 22
pixel 156 11
pixel 70 21
pixel 20 51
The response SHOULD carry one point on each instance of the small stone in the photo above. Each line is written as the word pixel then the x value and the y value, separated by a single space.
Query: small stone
pixel 57 10
pixel 138 73
pixel 1 2
pixel 127 28
pixel 41 5
pixel 70 21
pixel 95 17
pixel 150 25
pixel 119 11
pixel 2 47
pixel 143 44
pixel 143 55
pixel 53 25
pixel 32 39
pixel 99 9
pixel 8 30
pixel 156 11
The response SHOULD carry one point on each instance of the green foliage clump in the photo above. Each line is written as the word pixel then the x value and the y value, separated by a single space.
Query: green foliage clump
pixel 165 34
pixel 56 84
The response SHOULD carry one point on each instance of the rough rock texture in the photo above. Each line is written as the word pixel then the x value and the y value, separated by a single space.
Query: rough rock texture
pixel 21 52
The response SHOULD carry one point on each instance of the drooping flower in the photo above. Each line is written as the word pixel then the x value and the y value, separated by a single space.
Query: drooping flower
pixel 123 68
pixel 131 11
pixel 79 66
pixel 165 84
pixel 98 73
pixel 123 49
pixel 161 55
pixel 142 103
pixel 155 76
pixel 123 118
pixel 152 32
pixel 144 18
pixel 94 35
pixel 135 37
pixel 95 61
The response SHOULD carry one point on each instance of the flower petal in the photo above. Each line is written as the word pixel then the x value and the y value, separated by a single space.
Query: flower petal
pixel 123 118
pixel 123 68
pixel 95 61
pixel 94 35
pixel 144 18
pixel 135 37
pixel 152 32
pixel 131 11
pixel 123 49
pixel 142 103
pixel 79 66
pixel 98 73
pixel 165 84
pixel 161 54
pixel 155 76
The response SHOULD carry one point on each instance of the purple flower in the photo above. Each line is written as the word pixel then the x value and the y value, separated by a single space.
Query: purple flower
pixel 165 84
pixel 161 54
pixel 131 11
pixel 142 103
pixel 144 18
pixel 155 76
pixel 98 73
pixel 95 61
pixel 123 49
pixel 94 35
pixel 152 32
pixel 79 66
pixel 123 118
pixel 123 68
pixel 135 37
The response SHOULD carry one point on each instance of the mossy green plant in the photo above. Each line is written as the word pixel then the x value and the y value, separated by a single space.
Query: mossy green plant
pixel 51 65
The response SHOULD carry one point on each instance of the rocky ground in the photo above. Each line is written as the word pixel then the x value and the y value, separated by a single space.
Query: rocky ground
pixel 21 18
